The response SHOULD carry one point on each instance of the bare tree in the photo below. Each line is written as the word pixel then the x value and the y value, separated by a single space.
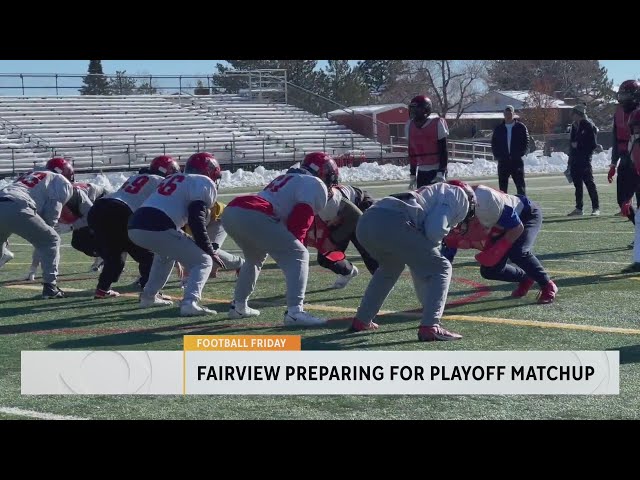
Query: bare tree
pixel 452 85
pixel 542 114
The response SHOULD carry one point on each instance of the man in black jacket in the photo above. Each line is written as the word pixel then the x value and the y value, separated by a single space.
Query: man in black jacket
pixel 583 143
pixel 509 144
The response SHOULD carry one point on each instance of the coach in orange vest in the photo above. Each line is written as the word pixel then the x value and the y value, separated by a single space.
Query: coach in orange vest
pixel 427 140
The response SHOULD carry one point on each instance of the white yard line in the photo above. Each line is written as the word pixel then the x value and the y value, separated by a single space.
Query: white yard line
pixel 40 415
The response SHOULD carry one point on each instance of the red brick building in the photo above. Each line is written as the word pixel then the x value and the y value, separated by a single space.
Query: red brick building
pixel 383 123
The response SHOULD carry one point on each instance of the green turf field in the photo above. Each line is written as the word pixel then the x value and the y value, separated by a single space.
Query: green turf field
pixel 584 256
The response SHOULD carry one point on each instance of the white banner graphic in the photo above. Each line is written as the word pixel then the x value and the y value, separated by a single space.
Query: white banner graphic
pixel 321 373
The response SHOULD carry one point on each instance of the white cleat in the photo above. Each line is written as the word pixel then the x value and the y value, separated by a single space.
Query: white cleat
pixel 31 276
pixel 190 308
pixel 6 257
pixel 98 263
pixel 236 312
pixel 343 280
pixel 157 301
pixel 302 319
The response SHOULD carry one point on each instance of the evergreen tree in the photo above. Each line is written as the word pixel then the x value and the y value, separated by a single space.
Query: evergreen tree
pixel 95 83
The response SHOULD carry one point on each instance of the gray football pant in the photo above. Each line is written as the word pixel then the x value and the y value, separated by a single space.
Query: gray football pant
pixel 394 243
pixel 218 235
pixel 259 235
pixel 167 247
pixel 17 217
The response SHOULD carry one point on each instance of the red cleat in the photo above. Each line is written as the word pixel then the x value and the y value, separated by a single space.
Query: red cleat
pixel 359 326
pixel 523 288
pixel 436 333
pixel 548 293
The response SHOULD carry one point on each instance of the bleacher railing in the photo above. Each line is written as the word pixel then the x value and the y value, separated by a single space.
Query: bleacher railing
pixel 131 156
pixel 252 83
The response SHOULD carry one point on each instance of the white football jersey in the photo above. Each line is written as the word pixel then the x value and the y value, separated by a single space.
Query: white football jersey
pixel 348 192
pixel 42 188
pixel 330 212
pixel 495 207
pixel 432 209
pixel 137 189
pixel 92 190
pixel 174 195
pixel 286 191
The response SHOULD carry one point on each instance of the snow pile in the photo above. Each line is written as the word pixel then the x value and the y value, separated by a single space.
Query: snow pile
pixel 241 178
pixel 368 172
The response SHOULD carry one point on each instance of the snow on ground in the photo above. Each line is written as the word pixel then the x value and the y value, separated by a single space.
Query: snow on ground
pixel 371 172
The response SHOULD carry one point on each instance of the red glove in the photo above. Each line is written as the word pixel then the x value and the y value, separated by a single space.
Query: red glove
pixel 335 256
pixel 626 208
pixel 452 240
pixel 612 173
pixel 492 255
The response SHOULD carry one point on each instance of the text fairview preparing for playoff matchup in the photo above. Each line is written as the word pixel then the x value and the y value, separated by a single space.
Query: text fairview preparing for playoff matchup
pixel 394 372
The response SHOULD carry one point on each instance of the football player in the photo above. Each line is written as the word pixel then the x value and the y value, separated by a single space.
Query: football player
pixel 275 222
pixel 74 218
pixel 109 216
pixel 634 149
pixel 427 141
pixel 510 225
pixel 407 229
pixel 332 230
pixel 30 207
pixel 181 199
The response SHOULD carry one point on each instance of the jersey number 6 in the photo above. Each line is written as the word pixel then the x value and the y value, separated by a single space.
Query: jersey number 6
pixel 168 186
pixel 33 179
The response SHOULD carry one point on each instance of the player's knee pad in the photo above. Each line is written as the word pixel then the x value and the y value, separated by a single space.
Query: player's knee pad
pixel 489 273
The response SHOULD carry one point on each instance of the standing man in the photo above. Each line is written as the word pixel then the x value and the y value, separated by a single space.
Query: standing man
pixel 634 149
pixel 628 97
pixel 509 144
pixel 427 140
pixel 583 143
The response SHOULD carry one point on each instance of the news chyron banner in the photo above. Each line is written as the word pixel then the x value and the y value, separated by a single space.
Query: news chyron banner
pixel 277 365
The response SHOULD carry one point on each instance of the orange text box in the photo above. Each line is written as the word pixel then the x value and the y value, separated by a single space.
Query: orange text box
pixel 241 342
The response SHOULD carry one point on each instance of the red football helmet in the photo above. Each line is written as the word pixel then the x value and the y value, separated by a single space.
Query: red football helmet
pixel 204 163
pixel 164 165
pixel 629 94
pixel 420 107
pixel 323 166
pixel 61 166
